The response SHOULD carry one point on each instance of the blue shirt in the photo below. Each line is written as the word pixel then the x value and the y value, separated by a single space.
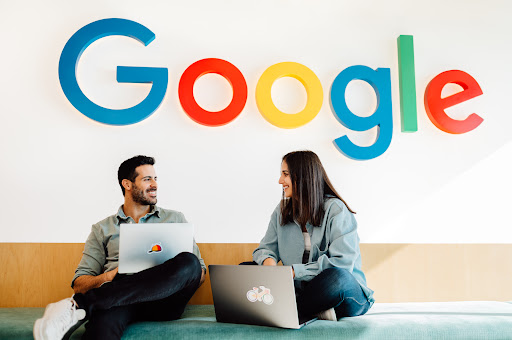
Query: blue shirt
pixel 335 243
pixel 101 250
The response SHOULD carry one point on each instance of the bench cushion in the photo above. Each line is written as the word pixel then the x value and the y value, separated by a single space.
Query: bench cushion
pixel 433 320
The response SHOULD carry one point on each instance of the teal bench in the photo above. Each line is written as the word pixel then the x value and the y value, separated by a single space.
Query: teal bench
pixel 484 320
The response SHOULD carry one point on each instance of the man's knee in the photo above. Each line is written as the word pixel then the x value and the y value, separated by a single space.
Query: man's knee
pixel 189 263
pixel 189 260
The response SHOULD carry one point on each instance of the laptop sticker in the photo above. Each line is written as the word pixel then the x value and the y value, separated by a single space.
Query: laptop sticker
pixel 264 295
pixel 156 248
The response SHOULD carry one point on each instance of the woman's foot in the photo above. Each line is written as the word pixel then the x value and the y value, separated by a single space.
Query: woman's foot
pixel 328 314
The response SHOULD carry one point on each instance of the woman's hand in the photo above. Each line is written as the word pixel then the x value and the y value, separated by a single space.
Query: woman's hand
pixel 269 262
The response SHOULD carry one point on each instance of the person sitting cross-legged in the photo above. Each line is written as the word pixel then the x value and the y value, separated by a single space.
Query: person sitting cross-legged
pixel 110 301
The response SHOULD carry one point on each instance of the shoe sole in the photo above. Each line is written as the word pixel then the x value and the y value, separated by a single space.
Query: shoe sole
pixel 39 325
pixel 37 330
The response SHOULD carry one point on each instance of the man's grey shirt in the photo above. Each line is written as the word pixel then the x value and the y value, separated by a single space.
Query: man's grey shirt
pixel 101 251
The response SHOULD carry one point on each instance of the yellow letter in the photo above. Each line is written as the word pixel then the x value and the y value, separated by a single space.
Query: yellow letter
pixel 264 96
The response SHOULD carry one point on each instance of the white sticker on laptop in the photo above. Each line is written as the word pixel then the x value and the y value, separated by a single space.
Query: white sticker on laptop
pixel 261 294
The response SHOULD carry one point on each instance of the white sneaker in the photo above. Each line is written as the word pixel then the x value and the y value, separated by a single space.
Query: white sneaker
pixel 328 314
pixel 57 320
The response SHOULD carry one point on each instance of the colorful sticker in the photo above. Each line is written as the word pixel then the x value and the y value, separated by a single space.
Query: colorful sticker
pixel 156 248
pixel 260 295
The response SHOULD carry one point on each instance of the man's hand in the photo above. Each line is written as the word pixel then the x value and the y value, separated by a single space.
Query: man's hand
pixel 269 262
pixel 203 274
pixel 85 283
pixel 109 276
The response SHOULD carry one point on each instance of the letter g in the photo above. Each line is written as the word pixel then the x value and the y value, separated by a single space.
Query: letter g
pixel 68 63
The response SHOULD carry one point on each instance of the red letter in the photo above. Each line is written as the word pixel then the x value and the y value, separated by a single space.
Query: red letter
pixel 435 105
pixel 223 68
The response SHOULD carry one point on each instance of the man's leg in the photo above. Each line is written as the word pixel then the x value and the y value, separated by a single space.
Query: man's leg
pixel 333 288
pixel 183 272
pixel 169 308
pixel 152 284
pixel 110 324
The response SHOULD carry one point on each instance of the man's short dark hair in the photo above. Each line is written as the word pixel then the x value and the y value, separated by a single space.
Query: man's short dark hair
pixel 127 168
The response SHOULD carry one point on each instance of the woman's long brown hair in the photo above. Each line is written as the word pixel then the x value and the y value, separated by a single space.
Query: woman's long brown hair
pixel 310 188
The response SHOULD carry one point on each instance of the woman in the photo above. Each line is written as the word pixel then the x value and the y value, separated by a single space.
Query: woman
pixel 314 231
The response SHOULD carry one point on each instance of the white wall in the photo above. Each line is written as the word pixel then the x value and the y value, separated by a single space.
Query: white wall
pixel 59 168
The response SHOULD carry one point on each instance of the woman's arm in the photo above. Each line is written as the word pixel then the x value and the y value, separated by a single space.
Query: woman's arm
pixel 268 248
pixel 269 262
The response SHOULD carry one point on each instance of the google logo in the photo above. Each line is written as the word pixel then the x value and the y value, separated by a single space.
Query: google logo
pixel 379 79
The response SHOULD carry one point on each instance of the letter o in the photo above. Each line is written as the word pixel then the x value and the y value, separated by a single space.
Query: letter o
pixel 264 95
pixel 223 68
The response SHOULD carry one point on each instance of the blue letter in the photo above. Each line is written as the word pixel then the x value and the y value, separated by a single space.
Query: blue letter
pixel 68 63
pixel 382 117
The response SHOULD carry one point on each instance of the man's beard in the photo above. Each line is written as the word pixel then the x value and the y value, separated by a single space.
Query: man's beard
pixel 138 196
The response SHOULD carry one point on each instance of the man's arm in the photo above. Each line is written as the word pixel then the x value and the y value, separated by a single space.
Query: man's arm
pixel 93 258
pixel 85 283
pixel 203 277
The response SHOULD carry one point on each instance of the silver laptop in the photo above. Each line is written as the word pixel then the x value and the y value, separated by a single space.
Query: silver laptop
pixel 145 245
pixel 255 295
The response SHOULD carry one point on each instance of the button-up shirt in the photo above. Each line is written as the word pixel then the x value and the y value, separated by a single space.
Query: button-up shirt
pixel 101 251
pixel 334 243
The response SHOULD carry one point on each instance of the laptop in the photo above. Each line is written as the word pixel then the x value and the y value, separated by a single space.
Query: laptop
pixel 255 295
pixel 145 245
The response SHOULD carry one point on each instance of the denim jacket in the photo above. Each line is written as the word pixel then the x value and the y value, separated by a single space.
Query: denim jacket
pixel 335 243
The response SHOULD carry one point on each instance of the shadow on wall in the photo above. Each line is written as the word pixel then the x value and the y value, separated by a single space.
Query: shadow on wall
pixel 438 272
pixel 472 207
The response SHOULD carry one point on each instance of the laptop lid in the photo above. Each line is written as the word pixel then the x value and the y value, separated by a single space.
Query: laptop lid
pixel 145 245
pixel 256 295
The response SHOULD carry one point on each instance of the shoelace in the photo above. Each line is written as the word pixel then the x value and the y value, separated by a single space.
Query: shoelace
pixel 66 318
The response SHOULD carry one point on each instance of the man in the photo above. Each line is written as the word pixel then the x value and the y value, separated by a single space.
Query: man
pixel 110 301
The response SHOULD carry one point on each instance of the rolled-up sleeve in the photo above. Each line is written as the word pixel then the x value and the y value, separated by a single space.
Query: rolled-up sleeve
pixel 93 258
pixel 195 248
pixel 197 253
pixel 269 244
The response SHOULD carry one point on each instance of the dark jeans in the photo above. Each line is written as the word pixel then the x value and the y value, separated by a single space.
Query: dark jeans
pixel 333 288
pixel 157 294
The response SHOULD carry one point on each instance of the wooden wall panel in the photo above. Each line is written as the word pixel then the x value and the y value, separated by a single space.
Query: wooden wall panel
pixel 220 253
pixel 35 274
pixel 438 272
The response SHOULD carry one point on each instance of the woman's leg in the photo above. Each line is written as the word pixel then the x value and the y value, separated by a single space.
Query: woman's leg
pixel 333 288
